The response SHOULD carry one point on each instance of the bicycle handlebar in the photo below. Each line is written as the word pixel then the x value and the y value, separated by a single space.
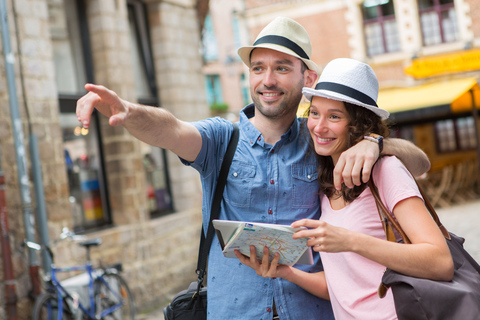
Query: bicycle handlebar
pixel 66 234
pixel 36 246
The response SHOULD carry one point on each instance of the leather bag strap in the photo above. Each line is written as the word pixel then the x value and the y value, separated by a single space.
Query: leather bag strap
pixel 389 222
pixel 206 242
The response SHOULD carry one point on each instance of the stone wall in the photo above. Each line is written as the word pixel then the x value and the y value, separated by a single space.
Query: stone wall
pixel 158 255
pixel 176 52
pixel 38 108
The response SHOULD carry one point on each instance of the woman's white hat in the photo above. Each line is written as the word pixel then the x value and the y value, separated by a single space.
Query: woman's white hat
pixel 350 81
pixel 284 35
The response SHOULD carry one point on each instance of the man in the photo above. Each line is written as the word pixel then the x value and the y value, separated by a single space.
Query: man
pixel 272 179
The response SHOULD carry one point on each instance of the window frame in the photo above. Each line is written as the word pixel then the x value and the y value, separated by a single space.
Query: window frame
pixel 457 137
pixel 209 41
pixel 439 9
pixel 67 105
pixel 213 88
pixel 380 21
pixel 139 14
pixel 143 35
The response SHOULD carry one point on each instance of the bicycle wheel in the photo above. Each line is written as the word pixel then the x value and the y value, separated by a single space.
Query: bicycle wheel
pixel 110 292
pixel 46 308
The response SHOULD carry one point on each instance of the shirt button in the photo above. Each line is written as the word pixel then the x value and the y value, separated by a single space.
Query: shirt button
pixel 272 182
pixel 309 177
pixel 272 151
pixel 235 174
pixel 269 309
pixel 270 211
pixel 259 138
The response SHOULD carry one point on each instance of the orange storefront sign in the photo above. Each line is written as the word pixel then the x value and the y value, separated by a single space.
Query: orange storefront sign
pixel 461 61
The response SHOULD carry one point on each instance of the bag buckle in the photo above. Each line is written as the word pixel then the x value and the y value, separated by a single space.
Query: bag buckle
pixel 199 285
pixel 382 291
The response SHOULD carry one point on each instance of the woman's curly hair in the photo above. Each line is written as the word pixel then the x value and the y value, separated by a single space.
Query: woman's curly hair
pixel 362 122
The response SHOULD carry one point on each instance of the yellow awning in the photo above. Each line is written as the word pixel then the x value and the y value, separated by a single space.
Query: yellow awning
pixel 464 102
pixel 454 93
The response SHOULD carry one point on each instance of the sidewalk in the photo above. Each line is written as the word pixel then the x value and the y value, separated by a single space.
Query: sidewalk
pixel 462 219
pixel 153 315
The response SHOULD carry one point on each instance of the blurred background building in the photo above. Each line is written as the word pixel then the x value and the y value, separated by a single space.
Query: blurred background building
pixel 426 54
pixel 181 55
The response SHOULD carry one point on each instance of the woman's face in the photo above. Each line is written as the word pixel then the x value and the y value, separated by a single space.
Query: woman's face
pixel 328 122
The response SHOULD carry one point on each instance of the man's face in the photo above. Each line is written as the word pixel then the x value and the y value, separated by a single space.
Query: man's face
pixel 276 82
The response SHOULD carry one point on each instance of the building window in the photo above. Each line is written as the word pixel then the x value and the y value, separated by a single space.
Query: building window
pixel 142 60
pixel 88 197
pixel 214 89
pixel 466 133
pixel 154 159
pixel 158 190
pixel 236 34
pixel 84 170
pixel 455 134
pixel 380 27
pixel 403 132
pixel 210 47
pixel 245 89
pixel 70 71
pixel 438 21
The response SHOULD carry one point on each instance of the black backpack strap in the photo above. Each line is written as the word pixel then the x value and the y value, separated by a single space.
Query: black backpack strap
pixel 206 242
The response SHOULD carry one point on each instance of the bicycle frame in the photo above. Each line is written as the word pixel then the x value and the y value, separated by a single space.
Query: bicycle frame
pixel 62 292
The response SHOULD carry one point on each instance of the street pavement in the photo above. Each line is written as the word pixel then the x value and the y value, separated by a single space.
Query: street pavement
pixel 464 221
pixel 156 314
pixel 461 219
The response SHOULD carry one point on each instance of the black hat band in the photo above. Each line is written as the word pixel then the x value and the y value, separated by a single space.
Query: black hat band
pixel 284 42
pixel 347 91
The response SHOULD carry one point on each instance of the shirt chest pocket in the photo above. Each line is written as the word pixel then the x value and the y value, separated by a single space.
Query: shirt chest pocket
pixel 238 191
pixel 305 186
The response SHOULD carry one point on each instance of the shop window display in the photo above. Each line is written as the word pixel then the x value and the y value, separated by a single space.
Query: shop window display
pixel 87 199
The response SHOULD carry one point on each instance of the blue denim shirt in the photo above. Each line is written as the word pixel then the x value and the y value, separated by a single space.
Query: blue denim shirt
pixel 271 184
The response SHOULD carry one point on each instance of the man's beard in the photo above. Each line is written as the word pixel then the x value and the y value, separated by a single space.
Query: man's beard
pixel 288 105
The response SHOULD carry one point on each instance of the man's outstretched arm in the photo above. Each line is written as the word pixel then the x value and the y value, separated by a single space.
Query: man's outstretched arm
pixel 155 126
pixel 355 164
pixel 412 156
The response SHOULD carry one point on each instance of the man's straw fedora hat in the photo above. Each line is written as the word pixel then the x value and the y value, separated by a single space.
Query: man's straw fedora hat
pixel 351 81
pixel 284 35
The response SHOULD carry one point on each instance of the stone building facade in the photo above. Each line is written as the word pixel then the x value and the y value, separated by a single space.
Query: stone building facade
pixel 146 51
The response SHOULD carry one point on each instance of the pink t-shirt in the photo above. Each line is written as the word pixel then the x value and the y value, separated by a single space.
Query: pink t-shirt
pixel 352 279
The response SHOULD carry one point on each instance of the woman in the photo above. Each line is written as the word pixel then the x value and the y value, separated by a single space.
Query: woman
pixel 349 234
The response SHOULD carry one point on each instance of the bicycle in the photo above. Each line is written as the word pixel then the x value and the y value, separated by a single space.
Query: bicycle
pixel 109 296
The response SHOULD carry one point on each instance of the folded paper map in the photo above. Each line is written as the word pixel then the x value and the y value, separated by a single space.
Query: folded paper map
pixel 240 235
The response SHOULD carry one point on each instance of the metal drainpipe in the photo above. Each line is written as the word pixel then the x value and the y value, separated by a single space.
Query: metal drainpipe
pixel 40 200
pixel 9 278
pixel 20 153
pixel 35 162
